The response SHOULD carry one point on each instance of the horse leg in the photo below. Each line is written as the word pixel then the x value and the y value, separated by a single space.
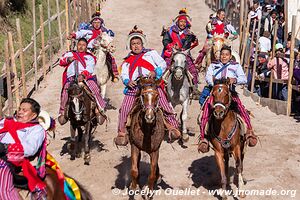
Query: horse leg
pixel 153 174
pixel 158 175
pixel 220 162
pixel 226 161
pixel 184 116
pixel 239 167
pixel 135 156
pixel 73 141
pixel 103 90
pixel 87 157
pixel 79 142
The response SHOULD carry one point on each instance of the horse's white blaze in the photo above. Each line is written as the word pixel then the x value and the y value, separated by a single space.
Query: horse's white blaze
pixel 219 104
pixel 101 68
pixel 76 107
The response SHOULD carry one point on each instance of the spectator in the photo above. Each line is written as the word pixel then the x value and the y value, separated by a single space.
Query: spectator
pixel 263 72
pixel 265 42
pixel 296 73
pixel 281 71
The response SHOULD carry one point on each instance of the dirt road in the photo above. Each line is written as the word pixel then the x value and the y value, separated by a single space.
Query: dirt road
pixel 275 164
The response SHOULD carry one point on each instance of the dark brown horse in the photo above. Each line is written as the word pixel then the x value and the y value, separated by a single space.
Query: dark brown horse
pixel 54 191
pixel 146 131
pixel 225 134
pixel 81 114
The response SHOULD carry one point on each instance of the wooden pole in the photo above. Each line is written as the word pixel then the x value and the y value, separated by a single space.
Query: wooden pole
pixel 251 47
pixel 42 40
pixel 89 8
pixel 34 46
pixel 286 18
pixel 67 24
pixel 245 40
pixel 75 2
pixel 14 67
pixel 291 67
pixel 241 19
pixel 273 55
pixel 49 35
pixel 24 89
pixel 255 57
pixel 59 25
pixel 8 79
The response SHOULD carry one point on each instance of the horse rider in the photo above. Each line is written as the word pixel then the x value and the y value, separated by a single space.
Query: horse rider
pixel 91 35
pixel 86 65
pixel 179 36
pixel 22 139
pixel 225 68
pixel 146 63
pixel 216 25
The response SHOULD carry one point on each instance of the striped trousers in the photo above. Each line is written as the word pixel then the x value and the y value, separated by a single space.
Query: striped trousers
pixel 207 110
pixel 7 189
pixel 92 85
pixel 128 103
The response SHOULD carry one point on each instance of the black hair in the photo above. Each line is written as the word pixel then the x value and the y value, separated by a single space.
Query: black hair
pixel 255 2
pixel 35 106
pixel 228 48
pixel 82 39
pixel 273 12
pixel 136 37
pixel 220 10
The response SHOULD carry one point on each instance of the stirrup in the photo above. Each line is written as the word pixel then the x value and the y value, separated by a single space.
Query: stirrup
pixel 250 138
pixel 121 140
pixel 203 146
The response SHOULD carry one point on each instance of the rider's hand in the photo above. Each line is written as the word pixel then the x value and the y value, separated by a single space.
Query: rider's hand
pixel 132 84
pixel 70 59
pixel 116 79
pixel 72 35
pixel 233 80
pixel 152 74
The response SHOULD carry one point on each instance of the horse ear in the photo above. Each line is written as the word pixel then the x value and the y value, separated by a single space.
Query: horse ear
pixel 228 81
pixel 174 50
pixel 186 52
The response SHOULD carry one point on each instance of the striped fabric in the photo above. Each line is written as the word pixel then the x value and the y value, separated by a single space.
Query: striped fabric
pixel 207 109
pixel 94 89
pixel 114 67
pixel 129 100
pixel 7 190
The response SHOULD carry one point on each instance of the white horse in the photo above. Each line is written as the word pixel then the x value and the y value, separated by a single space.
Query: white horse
pixel 103 45
pixel 178 87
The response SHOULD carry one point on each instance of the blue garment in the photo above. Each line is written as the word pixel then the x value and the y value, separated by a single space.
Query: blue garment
pixel 205 94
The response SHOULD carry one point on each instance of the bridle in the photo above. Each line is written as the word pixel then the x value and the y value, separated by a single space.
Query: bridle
pixel 147 92
pixel 221 104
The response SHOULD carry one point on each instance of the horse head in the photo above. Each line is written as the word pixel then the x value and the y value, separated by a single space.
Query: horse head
pixel 218 43
pixel 179 66
pixel 75 92
pixel 149 97
pixel 105 41
pixel 221 98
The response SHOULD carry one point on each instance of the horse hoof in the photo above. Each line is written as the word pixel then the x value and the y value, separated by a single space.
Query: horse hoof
pixel 72 157
pixel 78 155
pixel 159 179
pixel 87 159
pixel 242 195
pixel 132 187
pixel 185 137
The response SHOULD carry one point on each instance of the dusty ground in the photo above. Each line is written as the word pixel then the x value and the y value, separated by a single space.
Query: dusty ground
pixel 275 164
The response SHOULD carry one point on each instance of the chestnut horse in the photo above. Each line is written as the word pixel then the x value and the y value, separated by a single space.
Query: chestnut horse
pixel 225 134
pixel 146 131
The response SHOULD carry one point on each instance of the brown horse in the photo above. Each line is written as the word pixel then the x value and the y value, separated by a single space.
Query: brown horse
pixel 146 131
pixel 225 134
pixel 54 191
pixel 81 114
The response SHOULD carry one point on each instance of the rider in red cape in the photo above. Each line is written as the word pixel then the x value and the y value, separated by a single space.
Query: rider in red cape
pixel 86 65
pixel 22 137
pixel 98 27
pixel 179 36
pixel 142 62
pixel 225 68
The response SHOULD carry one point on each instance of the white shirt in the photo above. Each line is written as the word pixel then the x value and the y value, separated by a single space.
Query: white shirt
pixel 89 60
pixel 264 44
pixel 87 34
pixel 31 138
pixel 152 57
pixel 233 70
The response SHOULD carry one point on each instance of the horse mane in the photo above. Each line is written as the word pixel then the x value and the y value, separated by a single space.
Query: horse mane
pixel 84 193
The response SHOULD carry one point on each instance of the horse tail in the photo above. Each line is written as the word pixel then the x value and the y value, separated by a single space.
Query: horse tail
pixel 84 193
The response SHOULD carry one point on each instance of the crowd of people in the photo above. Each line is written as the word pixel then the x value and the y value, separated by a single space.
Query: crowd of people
pixel 277 65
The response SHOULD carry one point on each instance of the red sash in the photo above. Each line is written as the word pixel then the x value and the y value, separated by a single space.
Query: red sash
pixel 218 29
pixel 11 126
pixel 177 38
pixel 95 34
pixel 138 61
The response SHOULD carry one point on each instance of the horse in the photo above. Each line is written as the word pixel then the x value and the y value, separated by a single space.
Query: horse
pixel 104 45
pixel 178 87
pixel 225 132
pixel 53 187
pixel 81 113
pixel 218 41
pixel 146 131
